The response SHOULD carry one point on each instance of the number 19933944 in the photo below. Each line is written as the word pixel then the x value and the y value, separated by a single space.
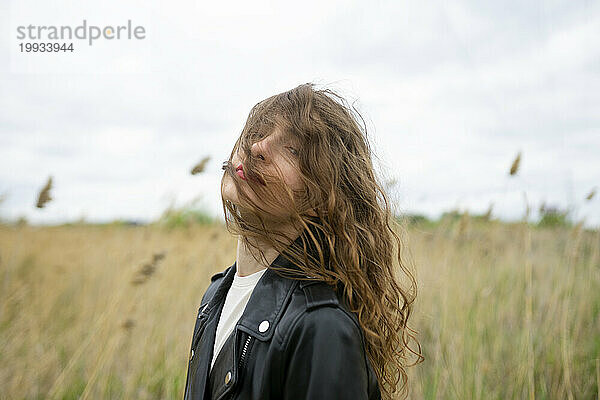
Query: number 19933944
pixel 45 47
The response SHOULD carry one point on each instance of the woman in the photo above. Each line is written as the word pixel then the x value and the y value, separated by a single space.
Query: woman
pixel 312 307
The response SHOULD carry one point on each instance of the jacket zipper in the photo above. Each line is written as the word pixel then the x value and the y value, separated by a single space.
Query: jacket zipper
pixel 245 351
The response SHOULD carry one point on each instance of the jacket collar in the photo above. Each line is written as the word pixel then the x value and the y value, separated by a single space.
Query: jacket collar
pixel 269 297
pixel 267 302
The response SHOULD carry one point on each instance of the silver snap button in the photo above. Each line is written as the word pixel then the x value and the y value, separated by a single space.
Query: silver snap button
pixel 263 326
pixel 228 378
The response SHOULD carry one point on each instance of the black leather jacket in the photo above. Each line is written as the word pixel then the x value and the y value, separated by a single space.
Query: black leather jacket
pixel 295 340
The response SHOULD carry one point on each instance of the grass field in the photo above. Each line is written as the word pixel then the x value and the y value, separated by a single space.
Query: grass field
pixel 504 311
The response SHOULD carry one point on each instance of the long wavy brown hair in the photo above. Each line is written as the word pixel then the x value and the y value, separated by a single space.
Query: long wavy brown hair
pixel 342 211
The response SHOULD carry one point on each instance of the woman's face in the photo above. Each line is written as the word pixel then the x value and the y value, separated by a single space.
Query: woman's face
pixel 277 151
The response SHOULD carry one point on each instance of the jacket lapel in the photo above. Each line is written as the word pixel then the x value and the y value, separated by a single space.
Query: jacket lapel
pixel 267 302
pixel 206 345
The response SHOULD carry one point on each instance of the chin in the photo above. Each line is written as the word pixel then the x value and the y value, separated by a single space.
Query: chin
pixel 228 191
pixel 226 195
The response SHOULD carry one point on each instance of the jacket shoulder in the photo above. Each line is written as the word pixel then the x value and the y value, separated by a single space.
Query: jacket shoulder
pixel 319 309
pixel 219 274
pixel 320 301
pixel 214 284
pixel 324 328
pixel 318 294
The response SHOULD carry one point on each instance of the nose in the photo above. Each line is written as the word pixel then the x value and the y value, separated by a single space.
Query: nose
pixel 260 149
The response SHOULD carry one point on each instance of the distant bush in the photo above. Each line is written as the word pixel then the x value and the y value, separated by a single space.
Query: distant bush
pixel 414 219
pixel 126 222
pixel 453 215
pixel 184 217
pixel 22 221
pixel 553 217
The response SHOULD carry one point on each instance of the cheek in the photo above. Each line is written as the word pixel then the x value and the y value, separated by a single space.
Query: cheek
pixel 297 183
pixel 294 182
pixel 291 177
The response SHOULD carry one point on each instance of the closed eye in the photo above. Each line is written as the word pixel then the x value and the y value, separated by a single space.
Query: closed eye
pixel 293 151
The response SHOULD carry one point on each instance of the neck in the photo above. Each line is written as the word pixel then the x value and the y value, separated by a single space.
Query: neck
pixel 247 264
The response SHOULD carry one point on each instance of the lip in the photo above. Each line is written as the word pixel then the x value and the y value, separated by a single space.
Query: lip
pixel 240 171
pixel 254 178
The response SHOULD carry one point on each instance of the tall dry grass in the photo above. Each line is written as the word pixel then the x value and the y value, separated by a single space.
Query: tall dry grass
pixel 504 311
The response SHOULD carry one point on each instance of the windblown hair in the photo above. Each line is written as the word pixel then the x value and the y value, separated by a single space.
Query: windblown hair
pixel 357 249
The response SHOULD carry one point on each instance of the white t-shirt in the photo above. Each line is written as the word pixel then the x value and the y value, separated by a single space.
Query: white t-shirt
pixel 235 303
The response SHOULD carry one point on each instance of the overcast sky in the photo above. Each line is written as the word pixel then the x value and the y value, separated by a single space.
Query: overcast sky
pixel 451 92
